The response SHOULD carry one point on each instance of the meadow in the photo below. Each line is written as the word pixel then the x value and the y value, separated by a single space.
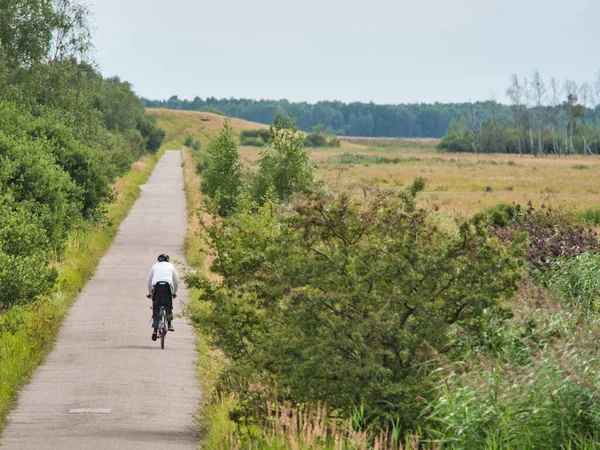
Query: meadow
pixel 460 183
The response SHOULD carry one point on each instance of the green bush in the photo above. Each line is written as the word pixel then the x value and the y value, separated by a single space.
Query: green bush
pixel 222 174
pixel 283 166
pixel 345 302
pixel 261 134
pixel 315 140
pixel 252 142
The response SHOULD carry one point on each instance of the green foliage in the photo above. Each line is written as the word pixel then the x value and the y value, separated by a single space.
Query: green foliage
pixel 123 112
pixel 576 280
pixel 591 216
pixel 222 174
pixel 24 270
pixel 283 166
pixel 532 385
pixel 189 140
pixel 318 139
pixel 344 301
pixel 255 138
pixel 196 145
pixel 65 134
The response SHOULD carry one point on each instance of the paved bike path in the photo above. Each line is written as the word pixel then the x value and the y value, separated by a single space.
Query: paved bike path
pixel 106 385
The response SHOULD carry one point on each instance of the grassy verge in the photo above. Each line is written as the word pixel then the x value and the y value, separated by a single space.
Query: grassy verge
pixel 27 333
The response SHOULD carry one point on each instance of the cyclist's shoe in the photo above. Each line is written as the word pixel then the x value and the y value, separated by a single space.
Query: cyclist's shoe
pixel 171 327
pixel 154 335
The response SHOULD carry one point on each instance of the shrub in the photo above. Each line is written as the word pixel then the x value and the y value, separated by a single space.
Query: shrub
pixel 551 233
pixel 283 166
pixel 189 140
pixel 252 142
pixel 262 134
pixel 315 140
pixel 222 175
pixel 25 272
pixel 345 301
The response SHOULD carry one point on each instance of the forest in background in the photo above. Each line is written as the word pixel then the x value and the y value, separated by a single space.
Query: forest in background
pixel 544 116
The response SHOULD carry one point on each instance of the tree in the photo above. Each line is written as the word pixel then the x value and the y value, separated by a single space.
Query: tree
pixel 284 165
pixel 222 176
pixel 554 111
pixel 33 31
pixel 539 94
pixel 515 93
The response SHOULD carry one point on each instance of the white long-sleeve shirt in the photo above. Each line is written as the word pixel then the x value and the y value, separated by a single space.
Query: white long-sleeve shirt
pixel 163 271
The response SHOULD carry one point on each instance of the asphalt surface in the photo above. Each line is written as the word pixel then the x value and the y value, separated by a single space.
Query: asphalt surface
pixel 106 384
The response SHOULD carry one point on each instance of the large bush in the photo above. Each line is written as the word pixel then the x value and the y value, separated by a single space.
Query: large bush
pixel 345 302
pixel 24 270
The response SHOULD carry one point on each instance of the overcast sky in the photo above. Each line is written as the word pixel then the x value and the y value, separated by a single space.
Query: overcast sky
pixel 385 51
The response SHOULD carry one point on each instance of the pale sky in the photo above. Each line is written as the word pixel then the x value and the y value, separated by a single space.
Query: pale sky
pixel 383 51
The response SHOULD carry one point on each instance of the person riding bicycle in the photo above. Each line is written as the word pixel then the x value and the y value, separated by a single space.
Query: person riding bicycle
pixel 164 274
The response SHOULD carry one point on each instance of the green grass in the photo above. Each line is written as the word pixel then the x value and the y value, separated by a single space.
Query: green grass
pixel 591 215
pixel 27 333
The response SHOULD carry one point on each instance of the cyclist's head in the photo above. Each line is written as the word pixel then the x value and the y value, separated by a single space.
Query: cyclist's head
pixel 163 257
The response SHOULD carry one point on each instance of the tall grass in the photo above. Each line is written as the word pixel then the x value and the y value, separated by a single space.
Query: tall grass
pixel 27 333
pixel 538 389
pixel 591 215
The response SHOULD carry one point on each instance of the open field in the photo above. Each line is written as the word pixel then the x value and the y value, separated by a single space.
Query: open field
pixel 467 183
pixel 455 183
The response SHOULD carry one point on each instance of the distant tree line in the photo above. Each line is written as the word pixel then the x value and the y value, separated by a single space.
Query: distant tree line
pixel 343 119
pixel 542 117
pixel 546 118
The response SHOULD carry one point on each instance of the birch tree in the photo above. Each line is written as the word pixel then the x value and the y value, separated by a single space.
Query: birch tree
pixel 528 99
pixel 554 111
pixel 539 92
pixel 585 96
pixel 515 93
pixel 570 110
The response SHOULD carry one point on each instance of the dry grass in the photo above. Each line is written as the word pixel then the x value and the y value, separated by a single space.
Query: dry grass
pixel 390 142
pixel 309 427
pixel 468 183
pixel 200 125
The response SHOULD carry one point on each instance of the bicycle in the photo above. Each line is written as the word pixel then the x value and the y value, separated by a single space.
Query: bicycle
pixel 162 322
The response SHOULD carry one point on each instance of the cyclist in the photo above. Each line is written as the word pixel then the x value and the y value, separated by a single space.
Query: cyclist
pixel 162 272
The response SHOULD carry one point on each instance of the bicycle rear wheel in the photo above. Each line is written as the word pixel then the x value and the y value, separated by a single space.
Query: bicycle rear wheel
pixel 163 329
